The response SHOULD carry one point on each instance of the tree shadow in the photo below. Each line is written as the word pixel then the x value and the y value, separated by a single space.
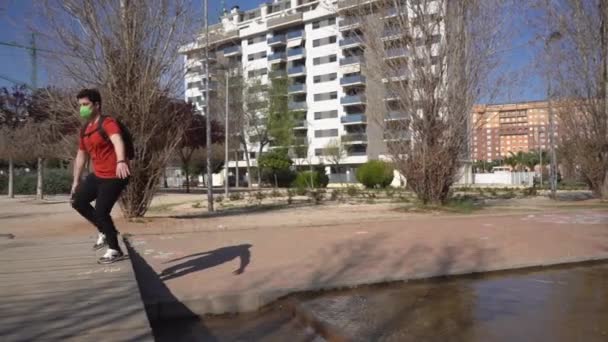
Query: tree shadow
pixel 202 261
pixel 251 209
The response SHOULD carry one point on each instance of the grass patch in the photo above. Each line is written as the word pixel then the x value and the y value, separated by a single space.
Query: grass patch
pixel 458 205
pixel 167 206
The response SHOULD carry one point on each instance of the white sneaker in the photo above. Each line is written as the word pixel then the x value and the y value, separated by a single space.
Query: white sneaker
pixel 101 242
pixel 111 256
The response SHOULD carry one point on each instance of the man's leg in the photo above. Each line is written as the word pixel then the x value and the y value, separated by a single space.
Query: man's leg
pixel 109 191
pixel 86 192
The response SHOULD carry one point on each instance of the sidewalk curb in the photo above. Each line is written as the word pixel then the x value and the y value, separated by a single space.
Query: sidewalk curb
pixel 217 304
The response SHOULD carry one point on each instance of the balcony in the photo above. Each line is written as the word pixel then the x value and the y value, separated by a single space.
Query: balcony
pixel 353 119
pixel 295 34
pixel 396 115
pixel 277 40
pixel 349 24
pixel 397 136
pixel 297 106
pixel 396 53
pixel 300 124
pixel 350 42
pixel 277 57
pixel 392 33
pixel 296 53
pixel 296 71
pixel 391 96
pixel 280 21
pixel 278 74
pixel 352 60
pixel 354 138
pixel 297 88
pixel 300 141
pixel 212 86
pixel 353 100
pixel 356 154
pixel 232 51
pixel 352 80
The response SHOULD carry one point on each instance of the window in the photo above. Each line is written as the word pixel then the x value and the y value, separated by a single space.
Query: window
pixel 323 23
pixel 257 55
pixel 324 41
pixel 256 39
pixel 326 96
pixel 328 114
pixel 326 133
pixel 325 78
pixel 325 59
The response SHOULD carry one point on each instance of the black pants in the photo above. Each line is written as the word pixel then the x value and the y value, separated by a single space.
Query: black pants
pixel 105 192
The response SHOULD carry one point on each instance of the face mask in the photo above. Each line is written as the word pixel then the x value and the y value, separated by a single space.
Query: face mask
pixel 86 112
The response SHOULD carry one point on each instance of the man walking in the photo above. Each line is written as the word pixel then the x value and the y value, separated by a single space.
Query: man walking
pixel 103 143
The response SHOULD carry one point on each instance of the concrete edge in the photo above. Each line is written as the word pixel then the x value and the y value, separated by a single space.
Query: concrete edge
pixel 254 300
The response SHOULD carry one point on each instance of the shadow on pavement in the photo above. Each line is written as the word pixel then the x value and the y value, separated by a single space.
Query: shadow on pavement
pixel 252 209
pixel 202 261
pixel 159 301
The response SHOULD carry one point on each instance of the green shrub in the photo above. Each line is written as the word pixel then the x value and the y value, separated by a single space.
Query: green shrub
pixel 335 195
pixel 353 191
pixel 219 199
pixel 304 179
pixel 283 180
pixel 196 205
pixel 530 191
pixel 301 191
pixel 235 196
pixel 56 181
pixel 275 193
pixel 290 194
pixel 375 174
pixel 316 195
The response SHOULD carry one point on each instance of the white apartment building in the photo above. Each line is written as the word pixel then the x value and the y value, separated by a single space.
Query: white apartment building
pixel 317 48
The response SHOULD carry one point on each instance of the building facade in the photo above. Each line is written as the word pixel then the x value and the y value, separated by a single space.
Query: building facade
pixel 316 45
pixel 502 129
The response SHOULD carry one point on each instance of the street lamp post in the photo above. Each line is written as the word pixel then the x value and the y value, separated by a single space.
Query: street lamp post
pixel 553 37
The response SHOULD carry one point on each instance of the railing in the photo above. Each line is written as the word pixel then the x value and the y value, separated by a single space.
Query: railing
pixel 276 56
pixel 393 53
pixel 356 154
pixel 277 39
pixel 295 34
pixel 354 137
pixel 352 79
pixel 300 124
pixel 297 105
pixel 353 118
pixel 278 21
pixel 352 60
pixel 297 88
pixel 232 50
pixel 397 115
pixel 342 178
pixel 349 23
pixel 391 32
pixel 296 70
pixel 353 99
pixel 278 74
pixel 295 52
pixel 397 136
pixel 350 41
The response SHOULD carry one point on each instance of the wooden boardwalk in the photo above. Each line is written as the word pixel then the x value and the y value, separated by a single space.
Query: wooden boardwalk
pixel 53 289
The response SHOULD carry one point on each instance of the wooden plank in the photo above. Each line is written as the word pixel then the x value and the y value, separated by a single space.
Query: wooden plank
pixel 53 289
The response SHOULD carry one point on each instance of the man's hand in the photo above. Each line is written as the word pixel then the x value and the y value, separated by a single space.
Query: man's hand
pixel 122 170
pixel 73 190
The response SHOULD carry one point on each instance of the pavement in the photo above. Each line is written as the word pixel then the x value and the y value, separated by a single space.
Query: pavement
pixel 223 271
pixel 52 289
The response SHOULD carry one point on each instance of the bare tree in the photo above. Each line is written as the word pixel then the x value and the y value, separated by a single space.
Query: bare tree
pixel 129 50
pixel 335 152
pixel 580 74
pixel 13 114
pixel 426 62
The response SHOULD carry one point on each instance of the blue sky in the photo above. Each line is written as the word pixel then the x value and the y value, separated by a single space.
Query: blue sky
pixel 15 16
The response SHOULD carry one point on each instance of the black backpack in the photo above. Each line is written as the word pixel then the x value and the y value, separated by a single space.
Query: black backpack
pixel 127 138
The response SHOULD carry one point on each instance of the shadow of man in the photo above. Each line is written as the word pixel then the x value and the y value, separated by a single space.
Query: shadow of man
pixel 202 261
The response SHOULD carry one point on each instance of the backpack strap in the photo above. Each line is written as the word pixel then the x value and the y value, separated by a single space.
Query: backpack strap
pixel 100 128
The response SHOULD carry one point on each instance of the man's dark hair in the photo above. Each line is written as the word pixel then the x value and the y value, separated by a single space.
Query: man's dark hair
pixel 91 94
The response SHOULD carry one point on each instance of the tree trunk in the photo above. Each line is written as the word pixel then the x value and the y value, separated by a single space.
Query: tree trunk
pixel 236 171
pixel 604 42
pixel 259 169
pixel 187 179
pixel 165 183
pixel 40 180
pixel 11 177
pixel 247 161
pixel 276 182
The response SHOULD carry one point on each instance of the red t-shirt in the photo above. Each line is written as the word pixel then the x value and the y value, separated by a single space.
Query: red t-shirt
pixel 101 150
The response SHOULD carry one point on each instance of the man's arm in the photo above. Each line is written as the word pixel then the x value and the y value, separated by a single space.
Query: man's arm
pixel 81 158
pixel 122 169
